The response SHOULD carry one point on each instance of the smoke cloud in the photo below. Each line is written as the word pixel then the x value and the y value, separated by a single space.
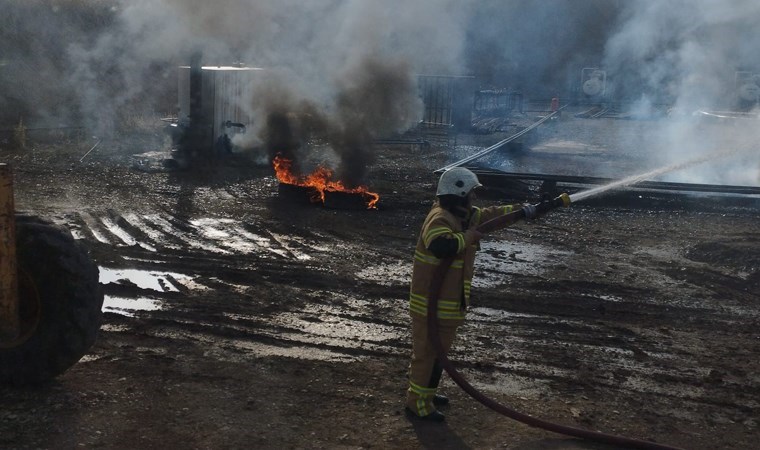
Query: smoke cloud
pixel 686 54
pixel 341 73
pixel 538 47
pixel 683 51
pixel 374 98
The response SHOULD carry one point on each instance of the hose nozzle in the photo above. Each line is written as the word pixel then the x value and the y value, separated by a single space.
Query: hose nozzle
pixel 547 205
pixel 527 212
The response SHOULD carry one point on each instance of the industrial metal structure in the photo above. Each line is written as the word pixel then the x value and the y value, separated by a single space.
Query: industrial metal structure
pixel 594 83
pixel 213 108
pixel 497 102
pixel 447 101
pixel 747 88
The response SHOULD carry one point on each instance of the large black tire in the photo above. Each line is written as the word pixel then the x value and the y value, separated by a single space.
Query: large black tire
pixel 60 302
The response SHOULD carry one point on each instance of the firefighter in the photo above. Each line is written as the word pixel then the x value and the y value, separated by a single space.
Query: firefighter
pixel 449 230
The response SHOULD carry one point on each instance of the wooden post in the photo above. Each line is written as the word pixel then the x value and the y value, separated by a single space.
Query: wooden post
pixel 9 310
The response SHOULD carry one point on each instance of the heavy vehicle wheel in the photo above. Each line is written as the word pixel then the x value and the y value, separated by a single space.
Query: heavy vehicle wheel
pixel 60 302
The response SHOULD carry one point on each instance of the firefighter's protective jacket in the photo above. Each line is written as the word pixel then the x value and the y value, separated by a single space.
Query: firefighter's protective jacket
pixel 455 292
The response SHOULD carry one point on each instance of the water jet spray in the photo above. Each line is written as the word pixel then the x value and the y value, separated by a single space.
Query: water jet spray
pixel 578 196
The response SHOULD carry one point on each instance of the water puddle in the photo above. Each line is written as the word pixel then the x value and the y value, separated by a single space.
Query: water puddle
pixel 216 235
pixel 257 241
pixel 129 306
pixel 499 259
pixel 115 328
pixel 328 332
pixel 493 264
pixel 137 222
pixel 331 329
pixel 347 323
pixel 261 350
pixel 605 297
pixel 92 226
pixel 396 273
pixel 513 385
pixel 283 241
pixel 187 238
pixel 123 234
pixel 220 348
pixel 484 314
pixel 155 281
pixel 143 279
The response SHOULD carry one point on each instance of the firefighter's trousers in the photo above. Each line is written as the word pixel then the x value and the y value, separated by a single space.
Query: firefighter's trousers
pixel 425 371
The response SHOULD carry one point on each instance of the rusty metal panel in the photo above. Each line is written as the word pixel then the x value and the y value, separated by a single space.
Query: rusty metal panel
pixel 9 318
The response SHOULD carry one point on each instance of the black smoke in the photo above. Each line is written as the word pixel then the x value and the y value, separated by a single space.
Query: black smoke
pixel 372 100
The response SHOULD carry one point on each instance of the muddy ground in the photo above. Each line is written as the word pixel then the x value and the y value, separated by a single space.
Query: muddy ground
pixel 236 317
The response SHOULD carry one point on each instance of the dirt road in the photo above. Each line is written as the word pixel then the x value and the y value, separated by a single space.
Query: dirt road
pixel 239 318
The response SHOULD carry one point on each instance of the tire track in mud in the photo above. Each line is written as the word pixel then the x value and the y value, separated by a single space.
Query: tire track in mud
pixel 192 254
pixel 159 232
pixel 281 299
pixel 207 247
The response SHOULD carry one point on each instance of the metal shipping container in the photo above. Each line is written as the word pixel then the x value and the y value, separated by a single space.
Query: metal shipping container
pixel 226 96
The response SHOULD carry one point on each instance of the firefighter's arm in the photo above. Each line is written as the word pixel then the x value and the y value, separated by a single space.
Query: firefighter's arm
pixel 493 212
pixel 443 242
pixel 495 218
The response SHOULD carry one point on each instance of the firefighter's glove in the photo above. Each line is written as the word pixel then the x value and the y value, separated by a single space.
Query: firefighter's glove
pixel 530 211
pixel 472 236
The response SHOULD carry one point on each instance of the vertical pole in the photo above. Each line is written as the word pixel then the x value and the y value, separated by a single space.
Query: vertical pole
pixel 194 138
pixel 9 318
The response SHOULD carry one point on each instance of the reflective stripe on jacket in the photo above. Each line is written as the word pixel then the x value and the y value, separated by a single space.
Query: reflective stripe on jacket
pixel 456 284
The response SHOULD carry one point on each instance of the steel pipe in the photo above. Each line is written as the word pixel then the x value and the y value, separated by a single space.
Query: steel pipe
pixel 486 174
pixel 499 144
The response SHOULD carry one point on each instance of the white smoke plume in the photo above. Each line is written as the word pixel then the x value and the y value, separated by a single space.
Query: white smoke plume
pixel 113 54
pixel 686 54
pixel 684 50
pixel 93 62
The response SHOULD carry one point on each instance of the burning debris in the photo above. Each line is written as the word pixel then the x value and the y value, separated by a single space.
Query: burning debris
pixel 320 185
pixel 291 139
pixel 372 99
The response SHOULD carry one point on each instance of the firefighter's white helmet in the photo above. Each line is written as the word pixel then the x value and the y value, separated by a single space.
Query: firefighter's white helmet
pixel 457 181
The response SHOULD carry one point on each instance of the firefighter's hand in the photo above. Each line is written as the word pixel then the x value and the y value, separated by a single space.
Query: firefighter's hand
pixel 472 236
pixel 530 211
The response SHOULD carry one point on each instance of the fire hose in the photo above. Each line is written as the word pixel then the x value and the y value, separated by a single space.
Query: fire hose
pixel 432 321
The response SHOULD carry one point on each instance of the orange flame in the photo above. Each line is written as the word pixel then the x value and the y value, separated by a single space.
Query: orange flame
pixel 321 181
